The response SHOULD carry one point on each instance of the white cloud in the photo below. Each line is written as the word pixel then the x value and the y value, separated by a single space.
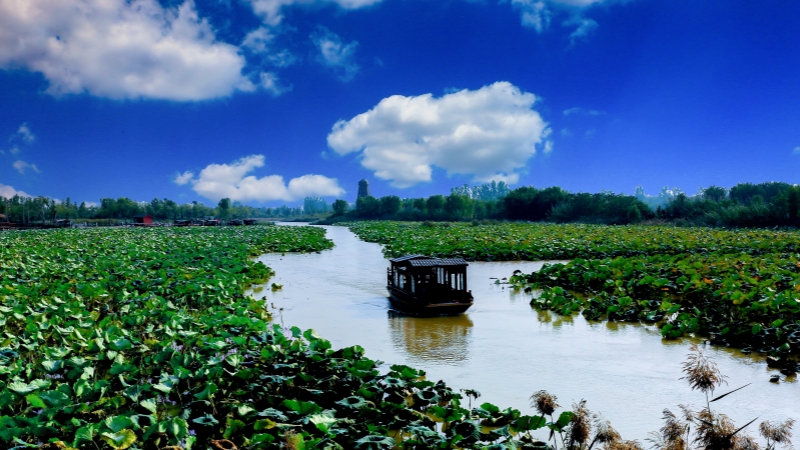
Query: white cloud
pixel 183 178
pixel 534 14
pixel 260 41
pixel 218 181
pixel 120 49
pixel 14 150
pixel 489 133
pixel 336 54
pixel 22 166
pixel 8 192
pixel 24 132
pixel 270 10
pixel 538 13
pixel 271 84
pixel 796 150
pixel 588 112
pixel 584 28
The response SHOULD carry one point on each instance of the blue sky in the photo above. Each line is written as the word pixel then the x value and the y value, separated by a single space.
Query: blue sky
pixel 268 101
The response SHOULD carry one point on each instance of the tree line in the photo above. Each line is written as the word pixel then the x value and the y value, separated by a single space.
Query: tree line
pixel 32 210
pixel 744 205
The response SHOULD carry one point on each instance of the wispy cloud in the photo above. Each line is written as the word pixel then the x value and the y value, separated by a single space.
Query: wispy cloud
pixel 796 150
pixel 24 133
pixel 234 181
pixel 271 84
pixel 534 14
pixel 583 111
pixel 335 54
pixel 538 14
pixel 22 167
pixel 183 178
pixel 584 28
pixel 270 11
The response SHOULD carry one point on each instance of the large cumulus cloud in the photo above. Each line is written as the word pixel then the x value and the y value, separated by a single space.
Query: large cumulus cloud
pixel 234 181
pixel 489 133
pixel 120 49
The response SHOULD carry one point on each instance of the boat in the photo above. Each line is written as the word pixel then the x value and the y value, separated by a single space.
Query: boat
pixel 428 286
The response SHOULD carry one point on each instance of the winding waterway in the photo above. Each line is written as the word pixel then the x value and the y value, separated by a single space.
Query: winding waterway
pixel 506 350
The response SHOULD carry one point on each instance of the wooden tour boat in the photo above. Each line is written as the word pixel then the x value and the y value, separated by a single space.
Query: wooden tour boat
pixel 423 285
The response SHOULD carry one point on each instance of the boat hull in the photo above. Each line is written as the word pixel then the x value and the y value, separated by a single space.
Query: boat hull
pixel 411 304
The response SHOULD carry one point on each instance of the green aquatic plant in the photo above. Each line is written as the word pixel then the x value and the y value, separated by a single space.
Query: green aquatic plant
pixel 144 339
pixel 511 241
pixel 737 287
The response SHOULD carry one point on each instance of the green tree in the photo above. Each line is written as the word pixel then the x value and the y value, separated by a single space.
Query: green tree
pixel 714 193
pixel 435 206
pixel 634 215
pixel 420 204
pixel 340 207
pixel 793 201
pixel 459 206
pixel 390 205
pixel 368 207
pixel 224 207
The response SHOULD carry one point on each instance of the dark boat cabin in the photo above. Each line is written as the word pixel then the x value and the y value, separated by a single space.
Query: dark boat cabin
pixel 420 281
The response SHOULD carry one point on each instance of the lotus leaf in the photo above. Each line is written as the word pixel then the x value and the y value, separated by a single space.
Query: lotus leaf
pixel 119 440
pixel 375 442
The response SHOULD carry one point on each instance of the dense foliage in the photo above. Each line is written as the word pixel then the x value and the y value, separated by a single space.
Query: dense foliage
pixel 744 205
pixel 511 241
pixel 739 287
pixel 751 302
pixel 28 210
pixel 144 339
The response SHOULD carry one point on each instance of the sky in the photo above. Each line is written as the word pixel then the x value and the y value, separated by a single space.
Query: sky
pixel 269 101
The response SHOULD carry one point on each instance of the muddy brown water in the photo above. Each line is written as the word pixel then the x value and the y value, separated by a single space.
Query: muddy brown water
pixel 506 350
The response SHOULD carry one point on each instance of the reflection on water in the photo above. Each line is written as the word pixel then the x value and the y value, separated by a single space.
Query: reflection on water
pixel 507 350
pixel 444 340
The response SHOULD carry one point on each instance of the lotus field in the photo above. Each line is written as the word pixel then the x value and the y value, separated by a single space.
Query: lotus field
pixel 144 339
pixel 737 287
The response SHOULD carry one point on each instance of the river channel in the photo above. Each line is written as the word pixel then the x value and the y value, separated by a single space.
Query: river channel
pixel 506 350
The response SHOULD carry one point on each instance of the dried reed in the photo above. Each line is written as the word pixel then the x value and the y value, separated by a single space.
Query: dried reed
pixel 544 403
pixel 777 433
pixel 702 373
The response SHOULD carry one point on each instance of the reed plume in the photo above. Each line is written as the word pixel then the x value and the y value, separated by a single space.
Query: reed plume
pixel 702 373
pixel 580 425
pixel 777 433
pixel 604 434
pixel 674 435
pixel 544 403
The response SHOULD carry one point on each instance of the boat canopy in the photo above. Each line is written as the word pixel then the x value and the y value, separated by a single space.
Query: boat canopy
pixel 427 261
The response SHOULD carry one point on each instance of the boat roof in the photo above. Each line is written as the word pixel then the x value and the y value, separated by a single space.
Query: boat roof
pixel 436 262
pixel 429 261
pixel 408 257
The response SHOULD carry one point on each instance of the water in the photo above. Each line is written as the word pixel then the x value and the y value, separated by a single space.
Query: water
pixel 506 350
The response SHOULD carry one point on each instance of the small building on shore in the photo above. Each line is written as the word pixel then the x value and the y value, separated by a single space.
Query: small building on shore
pixel 147 219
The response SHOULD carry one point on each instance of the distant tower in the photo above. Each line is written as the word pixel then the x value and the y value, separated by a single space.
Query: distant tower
pixel 363 188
